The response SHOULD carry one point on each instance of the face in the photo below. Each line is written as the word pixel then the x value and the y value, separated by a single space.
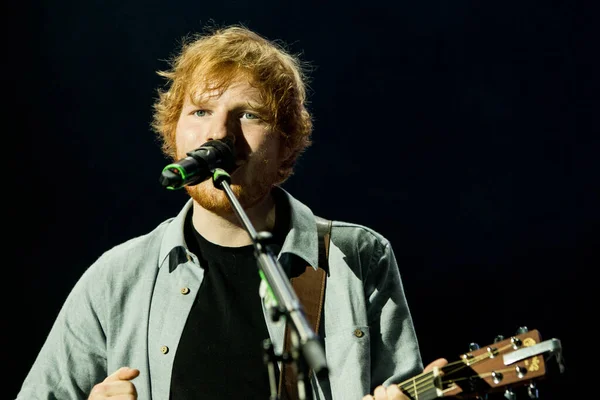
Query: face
pixel 209 115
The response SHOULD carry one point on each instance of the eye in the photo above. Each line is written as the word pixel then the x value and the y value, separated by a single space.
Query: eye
pixel 200 113
pixel 248 115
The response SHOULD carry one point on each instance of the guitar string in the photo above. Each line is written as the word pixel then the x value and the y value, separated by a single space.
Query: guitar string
pixel 425 382
pixel 487 374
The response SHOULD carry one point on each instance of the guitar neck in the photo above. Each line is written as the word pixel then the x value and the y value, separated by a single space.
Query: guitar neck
pixel 425 386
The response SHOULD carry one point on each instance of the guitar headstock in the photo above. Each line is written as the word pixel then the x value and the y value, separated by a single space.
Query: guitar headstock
pixel 509 363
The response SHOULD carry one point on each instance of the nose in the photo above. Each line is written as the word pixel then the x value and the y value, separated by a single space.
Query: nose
pixel 221 127
pixel 217 132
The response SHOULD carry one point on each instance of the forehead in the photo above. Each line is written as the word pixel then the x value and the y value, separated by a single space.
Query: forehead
pixel 239 87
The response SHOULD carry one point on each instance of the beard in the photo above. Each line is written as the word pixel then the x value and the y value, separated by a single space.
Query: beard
pixel 250 184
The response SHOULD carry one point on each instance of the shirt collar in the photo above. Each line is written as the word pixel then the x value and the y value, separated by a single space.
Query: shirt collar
pixel 301 240
pixel 173 241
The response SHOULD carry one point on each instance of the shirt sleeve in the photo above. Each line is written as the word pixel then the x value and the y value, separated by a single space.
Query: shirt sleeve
pixel 72 358
pixel 395 353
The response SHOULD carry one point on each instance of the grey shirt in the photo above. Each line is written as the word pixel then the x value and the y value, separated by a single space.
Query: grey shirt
pixel 130 306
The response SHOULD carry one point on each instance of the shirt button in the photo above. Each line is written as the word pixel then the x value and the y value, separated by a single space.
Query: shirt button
pixel 185 290
pixel 358 333
pixel 164 349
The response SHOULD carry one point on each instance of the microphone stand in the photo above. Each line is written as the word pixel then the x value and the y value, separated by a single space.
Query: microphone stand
pixel 306 350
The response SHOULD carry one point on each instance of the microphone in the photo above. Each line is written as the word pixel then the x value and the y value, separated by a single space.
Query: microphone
pixel 199 164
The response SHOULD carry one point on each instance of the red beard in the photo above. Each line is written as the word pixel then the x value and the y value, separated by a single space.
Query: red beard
pixel 255 185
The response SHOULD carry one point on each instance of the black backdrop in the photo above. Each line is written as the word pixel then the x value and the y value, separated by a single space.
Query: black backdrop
pixel 464 132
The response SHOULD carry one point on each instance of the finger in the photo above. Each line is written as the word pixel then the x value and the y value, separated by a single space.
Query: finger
pixel 368 397
pixel 123 374
pixel 380 393
pixel 440 362
pixel 394 393
pixel 114 389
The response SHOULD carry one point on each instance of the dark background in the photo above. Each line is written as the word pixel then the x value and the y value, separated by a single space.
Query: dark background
pixel 464 132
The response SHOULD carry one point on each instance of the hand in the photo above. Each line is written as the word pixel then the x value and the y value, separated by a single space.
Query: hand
pixel 117 384
pixel 393 392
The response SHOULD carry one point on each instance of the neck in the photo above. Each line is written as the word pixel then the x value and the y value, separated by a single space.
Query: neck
pixel 227 230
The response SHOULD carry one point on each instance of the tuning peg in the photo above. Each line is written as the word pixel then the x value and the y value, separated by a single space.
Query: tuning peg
pixel 522 329
pixel 473 346
pixel 509 394
pixel 498 338
pixel 532 391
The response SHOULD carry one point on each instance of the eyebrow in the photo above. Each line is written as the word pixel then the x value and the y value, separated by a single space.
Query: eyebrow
pixel 199 101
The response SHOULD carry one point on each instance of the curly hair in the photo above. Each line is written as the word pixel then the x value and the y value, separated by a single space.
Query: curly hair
pixel 220 56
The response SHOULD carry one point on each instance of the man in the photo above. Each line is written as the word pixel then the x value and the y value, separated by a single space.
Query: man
pixel 176 313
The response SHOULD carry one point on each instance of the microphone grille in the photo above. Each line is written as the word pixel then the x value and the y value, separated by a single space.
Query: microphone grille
pixel 226 149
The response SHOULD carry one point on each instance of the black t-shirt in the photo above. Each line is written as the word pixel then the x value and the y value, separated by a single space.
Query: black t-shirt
pixel 220 354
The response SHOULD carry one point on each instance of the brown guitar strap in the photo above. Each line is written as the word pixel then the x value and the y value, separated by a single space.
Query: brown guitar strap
pixel 310 289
